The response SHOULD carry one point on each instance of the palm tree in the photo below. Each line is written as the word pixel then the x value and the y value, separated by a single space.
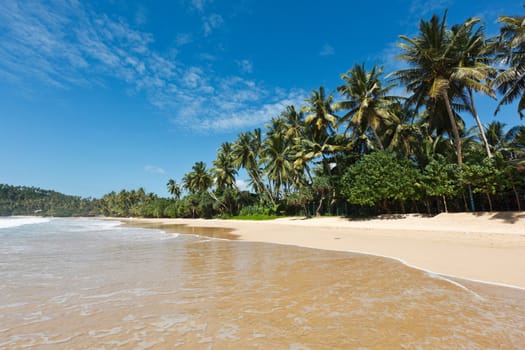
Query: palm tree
pixel 320 127
pixel 246 153
pixel 501 141
pixel 319 114
pixel 223 168
pixel 174 188
pixel 511 82
pixel 198 180
pixel 277 157
pixel 368 102
pixel 294 124
pixel 435 75
pixel 474 71
pixel 401 134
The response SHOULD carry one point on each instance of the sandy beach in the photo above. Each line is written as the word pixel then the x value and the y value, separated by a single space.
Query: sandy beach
pixel 486 247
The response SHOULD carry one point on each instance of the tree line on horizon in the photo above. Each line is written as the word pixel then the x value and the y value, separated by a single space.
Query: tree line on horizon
pixel 367 151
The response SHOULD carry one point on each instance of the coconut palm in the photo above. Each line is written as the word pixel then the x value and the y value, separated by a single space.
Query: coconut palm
pixel 246 154
pixel 320 118
pixel 474 71
pixel 503 141
pixel 294 123
pixel 319 130
pixel 277 157
pixel 223 168
pixel 174 188
pixel 401 134
pixel 198 180
pixel 511 82
pixel 367 101
pixel 435 76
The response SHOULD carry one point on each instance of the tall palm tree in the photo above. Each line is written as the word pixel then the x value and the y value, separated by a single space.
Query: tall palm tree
pixel 501 140
pixel 435 75
pixel 277 157
pixel 368 102
pixel 246 154
pixel 511 82
pixel 294 123
pixel 320 117
pixel 198 180
pixel 319 130
pixel 174 188
pixel 223 168
pixel 401 134
pixel 474 71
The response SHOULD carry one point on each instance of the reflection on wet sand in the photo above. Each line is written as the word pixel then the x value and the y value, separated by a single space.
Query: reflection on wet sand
pixel 213 232
pixel 200 293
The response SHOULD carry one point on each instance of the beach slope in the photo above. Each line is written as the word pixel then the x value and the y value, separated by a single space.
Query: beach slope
pixel 487 247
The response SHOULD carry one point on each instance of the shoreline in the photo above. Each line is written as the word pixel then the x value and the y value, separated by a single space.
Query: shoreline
pixel 478 247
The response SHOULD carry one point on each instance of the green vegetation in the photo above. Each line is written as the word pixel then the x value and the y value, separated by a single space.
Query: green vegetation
pixel 366 151
pixel 20 200
pixel 370 151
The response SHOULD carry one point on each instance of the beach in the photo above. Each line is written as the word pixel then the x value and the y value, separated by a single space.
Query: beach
pixel 79 283
pixel 484 247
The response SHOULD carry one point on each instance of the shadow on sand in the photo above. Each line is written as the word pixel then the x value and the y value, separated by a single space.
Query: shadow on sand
pixel 510 217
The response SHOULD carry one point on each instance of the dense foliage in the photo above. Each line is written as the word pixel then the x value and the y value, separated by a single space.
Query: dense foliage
pixel 21 200
pixel 369 151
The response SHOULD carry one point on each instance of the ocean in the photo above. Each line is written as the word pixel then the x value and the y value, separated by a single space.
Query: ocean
pixel 95 284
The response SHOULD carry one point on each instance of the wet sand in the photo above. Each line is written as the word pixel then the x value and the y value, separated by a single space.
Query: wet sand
pixel 80 284
pixel 487 247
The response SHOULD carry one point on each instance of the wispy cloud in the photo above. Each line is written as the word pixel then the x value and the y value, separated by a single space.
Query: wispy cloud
pixel 424 7
pixel 211 22
pixel 246 66
pixel 183 39
pixel 199 4
pixel 236 113
pixel 68 45
pixel 154 170
pixel 141 15
pixel 327 50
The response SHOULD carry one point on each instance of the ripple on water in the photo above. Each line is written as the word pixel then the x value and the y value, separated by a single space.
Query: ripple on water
pixel 194 294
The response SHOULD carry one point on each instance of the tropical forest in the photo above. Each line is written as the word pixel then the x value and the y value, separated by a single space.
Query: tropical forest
pixel 365 150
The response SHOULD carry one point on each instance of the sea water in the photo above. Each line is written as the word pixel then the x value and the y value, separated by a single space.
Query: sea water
pixel 93 284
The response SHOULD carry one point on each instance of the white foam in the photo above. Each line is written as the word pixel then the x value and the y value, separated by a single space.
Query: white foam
pixel 15 221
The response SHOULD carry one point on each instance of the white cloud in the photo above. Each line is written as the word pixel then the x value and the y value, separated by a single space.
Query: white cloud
pixel 230 115
pixel 243 185
pixel 211 22
pixel 154 169
pixel 199 4
pixel 327 50
pixel 67 45
pixel 246 66
pixel 424 7
pixel 192 77
pixel 141 15
pixel 183 39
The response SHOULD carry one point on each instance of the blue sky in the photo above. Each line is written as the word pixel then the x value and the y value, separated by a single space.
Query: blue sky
pixel 103 95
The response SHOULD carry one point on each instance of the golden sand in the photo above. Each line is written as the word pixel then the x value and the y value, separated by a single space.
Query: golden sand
pixel 488 247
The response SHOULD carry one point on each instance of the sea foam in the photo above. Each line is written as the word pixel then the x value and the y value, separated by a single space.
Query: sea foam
pixel 15 221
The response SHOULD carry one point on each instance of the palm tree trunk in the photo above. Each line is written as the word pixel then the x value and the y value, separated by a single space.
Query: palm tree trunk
pixel 318 210
pixel 490 202
pixel 379 143
pixel 517 197
pixel 455 132
pixel 478 122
